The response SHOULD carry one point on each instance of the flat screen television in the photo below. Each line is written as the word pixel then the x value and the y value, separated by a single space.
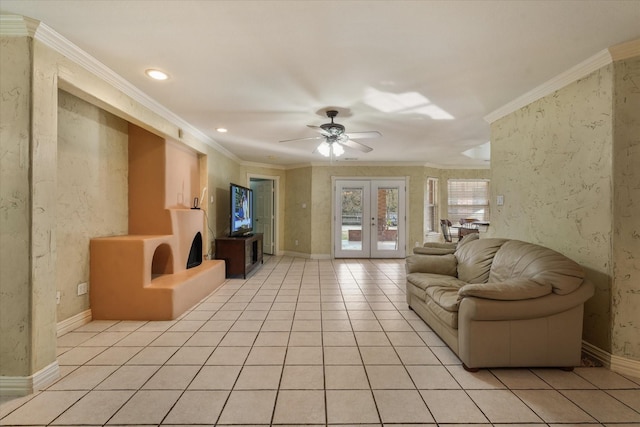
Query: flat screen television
pixel 241 210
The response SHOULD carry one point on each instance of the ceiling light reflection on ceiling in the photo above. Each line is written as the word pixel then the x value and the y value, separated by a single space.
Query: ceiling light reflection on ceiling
pixel 222 130
pixel 404 103
pixel 156 74
pixel 480 152
pixel 333 149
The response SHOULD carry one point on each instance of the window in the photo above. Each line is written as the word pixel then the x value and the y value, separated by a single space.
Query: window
pixel 431 206
pixel 468 198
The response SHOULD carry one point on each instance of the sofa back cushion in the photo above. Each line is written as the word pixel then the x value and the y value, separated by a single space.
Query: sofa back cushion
pixel 522 260
pixel 435 264
pixel 475 258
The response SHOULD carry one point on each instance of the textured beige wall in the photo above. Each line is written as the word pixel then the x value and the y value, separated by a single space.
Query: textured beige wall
pixel 91 194
pixel 552 162
pixel 222 171
pixel 298 219
pixel 15 287
pixel 626 207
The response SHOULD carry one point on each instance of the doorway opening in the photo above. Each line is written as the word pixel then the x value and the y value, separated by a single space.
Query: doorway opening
pixel 265 212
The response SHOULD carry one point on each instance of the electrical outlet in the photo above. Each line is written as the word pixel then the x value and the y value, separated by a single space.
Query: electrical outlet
pixel 83 288
pixel 296 243
pixel 57 297
pixel 500 200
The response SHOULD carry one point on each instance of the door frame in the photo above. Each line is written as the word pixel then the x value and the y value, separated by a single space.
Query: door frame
pixel 407 203
pixel 276 204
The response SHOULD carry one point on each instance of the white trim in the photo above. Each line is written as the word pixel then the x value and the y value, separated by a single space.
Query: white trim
pixel 276 202
pixel 625 50
pixel 577 72
pixel 305 255
pixel 22 386
pixel 296 254
pixel 17 26
pixel 619 364
pixel 12 25
pixel 262 165
pixel 73 322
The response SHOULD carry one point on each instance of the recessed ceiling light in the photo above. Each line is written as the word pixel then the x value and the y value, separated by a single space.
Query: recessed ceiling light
pixel 156 74
pixel 222 130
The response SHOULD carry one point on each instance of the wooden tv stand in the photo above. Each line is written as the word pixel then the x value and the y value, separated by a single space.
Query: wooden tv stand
pixel 240 254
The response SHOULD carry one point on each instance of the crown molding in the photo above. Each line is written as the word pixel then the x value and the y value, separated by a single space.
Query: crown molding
pixel 262 165
pixel 577 72
pixel 13 25
pixel 17 26
pixel 625 50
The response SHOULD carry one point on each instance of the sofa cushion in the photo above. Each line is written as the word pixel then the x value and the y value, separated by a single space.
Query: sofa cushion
pixel 445 296
pixel 436 264
pixel 511 290
pixel 522 260
pixel 449 318
pixel 468 238
pixel 474 259
pixel 426 280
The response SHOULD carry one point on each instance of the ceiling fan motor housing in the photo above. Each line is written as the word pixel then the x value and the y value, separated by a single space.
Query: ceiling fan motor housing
pixel 333 128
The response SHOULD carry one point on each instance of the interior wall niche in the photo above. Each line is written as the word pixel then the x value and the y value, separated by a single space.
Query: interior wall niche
pixel 91 192
pixel 162 262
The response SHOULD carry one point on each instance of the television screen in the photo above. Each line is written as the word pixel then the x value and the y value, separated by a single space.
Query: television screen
pixel 241 210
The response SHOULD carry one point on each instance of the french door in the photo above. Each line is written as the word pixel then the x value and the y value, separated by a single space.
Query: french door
pixel 369 218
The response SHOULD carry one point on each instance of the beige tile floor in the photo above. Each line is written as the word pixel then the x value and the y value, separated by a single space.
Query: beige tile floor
pixel 305 342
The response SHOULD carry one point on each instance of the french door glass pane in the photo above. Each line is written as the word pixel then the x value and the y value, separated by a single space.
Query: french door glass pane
pixel 351 218
pixel 387 213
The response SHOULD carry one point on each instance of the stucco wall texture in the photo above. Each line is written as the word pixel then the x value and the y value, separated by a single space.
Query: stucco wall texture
pixel 563 165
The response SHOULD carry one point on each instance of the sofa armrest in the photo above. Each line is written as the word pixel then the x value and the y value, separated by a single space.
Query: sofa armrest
pixel 510 290
pixel 435 264
pixel 473 308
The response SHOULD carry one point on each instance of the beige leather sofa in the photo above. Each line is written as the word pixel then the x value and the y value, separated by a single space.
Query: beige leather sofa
pixel 502 303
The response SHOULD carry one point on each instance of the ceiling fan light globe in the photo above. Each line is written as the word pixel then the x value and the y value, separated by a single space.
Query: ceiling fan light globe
pixel 337 150
pixel 324 149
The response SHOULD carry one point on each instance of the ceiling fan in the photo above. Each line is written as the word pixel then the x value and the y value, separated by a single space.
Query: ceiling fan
pixel 333 137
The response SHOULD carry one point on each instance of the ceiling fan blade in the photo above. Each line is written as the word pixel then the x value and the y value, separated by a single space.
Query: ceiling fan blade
pixel 367 134
pixel 356 145
pixel 303 139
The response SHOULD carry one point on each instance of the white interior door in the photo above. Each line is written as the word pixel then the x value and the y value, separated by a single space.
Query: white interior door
pixel 263 212
pixel 370 218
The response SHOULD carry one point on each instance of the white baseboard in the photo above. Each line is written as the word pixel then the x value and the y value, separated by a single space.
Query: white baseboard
pixel 296 254
pixel 306 256
pixel 618 364
pixel 73 322
pixel 22 386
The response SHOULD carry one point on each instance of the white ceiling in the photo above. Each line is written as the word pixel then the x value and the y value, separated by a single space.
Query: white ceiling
pixel 266 69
